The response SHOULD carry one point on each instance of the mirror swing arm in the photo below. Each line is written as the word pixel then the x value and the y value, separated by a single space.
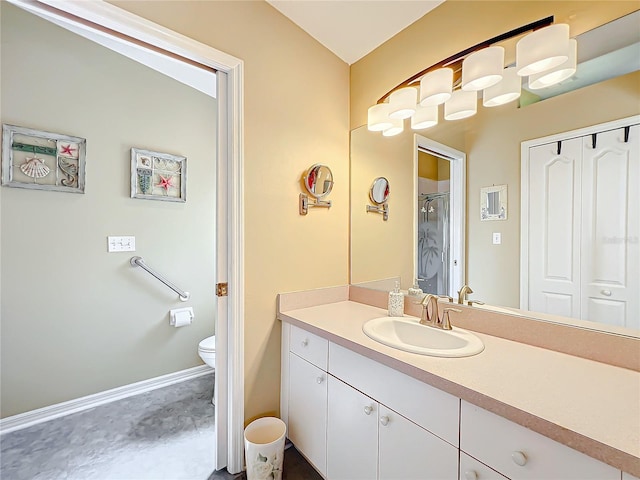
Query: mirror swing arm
pixel 305 203
pixel 383 209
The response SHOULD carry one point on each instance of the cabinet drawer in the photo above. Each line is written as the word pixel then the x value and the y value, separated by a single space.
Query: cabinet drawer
pixel 432 409
pixel 472 469
pixel 309 346
pixel 520 453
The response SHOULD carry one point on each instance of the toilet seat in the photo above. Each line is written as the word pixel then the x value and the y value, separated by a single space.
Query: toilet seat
pixel 208 345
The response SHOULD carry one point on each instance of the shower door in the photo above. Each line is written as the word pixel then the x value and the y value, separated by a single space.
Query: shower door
pixel 433 243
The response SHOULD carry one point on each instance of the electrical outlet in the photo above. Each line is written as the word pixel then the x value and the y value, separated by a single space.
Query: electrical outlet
pixel 497 238
pixel 121 244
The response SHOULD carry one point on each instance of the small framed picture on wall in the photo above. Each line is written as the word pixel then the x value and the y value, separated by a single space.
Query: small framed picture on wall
pixel 493 203
pixel 158 176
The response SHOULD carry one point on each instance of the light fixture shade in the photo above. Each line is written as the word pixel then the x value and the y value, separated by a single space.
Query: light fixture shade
pixel 378 117
pixel 436 86
pixel 424 117
pixel 461 105
pixel 402 103
pixel 543 49
pixel 508 90
pixel 559 73
pixel 397 126
pixel 483 68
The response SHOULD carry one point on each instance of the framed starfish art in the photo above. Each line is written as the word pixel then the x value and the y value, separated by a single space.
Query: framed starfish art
pixel 158 176
pixel 42 160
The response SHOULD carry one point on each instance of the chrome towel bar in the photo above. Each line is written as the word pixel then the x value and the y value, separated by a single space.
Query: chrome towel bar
pixel 139 262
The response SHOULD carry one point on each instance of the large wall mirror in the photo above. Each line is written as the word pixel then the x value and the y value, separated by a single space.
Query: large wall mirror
pixel 491 141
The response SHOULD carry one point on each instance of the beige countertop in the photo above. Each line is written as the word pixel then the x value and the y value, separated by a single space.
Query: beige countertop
pixel 590 406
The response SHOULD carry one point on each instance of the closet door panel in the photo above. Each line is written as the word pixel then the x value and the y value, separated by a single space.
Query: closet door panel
pixel 554 226
pixel 610 217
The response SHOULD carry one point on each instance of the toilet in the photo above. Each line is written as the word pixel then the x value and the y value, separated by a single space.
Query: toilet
pixel 207 352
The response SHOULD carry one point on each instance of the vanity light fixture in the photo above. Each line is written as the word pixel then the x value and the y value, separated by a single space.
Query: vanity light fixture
pixel 378 117
pixel 436 87
pixel 482 69
pixel 424 117
pixel 543 49
pixel 402 103
pixel 559 73
pixel 508 90
pixel 461 105
pixel 397 127
pixel 545 52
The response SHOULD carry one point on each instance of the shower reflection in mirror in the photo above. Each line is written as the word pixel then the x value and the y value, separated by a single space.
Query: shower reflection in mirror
pixel 379 194
pixel 433 224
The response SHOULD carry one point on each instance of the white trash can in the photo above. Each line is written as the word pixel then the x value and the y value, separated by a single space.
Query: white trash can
pixel 264 448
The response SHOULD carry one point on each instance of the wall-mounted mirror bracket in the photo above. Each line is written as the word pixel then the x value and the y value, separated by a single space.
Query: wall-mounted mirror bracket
pixel 306 203
pixel 383 209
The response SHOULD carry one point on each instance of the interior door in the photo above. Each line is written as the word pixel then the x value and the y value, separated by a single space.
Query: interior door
pixel 554 227
pixel 610 219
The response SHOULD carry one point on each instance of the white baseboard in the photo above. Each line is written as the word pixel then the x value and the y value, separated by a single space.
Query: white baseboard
pixel 26 419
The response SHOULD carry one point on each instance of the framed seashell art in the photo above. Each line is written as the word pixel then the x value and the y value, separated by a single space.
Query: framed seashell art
pixel 158 176
pixel 42 160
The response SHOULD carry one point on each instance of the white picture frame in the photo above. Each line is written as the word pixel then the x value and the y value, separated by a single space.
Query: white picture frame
pixel 493 203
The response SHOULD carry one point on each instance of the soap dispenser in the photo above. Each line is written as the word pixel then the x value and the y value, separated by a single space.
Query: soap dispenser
pixel 415 291
pixel 396 302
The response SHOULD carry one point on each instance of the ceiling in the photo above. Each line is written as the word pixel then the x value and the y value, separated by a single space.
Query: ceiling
pixel 353 28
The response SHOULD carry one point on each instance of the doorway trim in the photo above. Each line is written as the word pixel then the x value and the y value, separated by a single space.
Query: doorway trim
pixel 457 199
pixel 230 227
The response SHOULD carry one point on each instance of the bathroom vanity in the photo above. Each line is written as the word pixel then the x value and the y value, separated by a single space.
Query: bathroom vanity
pixel 358 409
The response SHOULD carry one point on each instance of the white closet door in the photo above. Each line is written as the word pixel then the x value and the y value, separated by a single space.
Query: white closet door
pixel 554 228
pixel 610 228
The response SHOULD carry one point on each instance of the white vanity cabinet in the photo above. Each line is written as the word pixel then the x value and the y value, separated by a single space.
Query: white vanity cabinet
pixel 307 396
pixel 367 440
pixel 520 453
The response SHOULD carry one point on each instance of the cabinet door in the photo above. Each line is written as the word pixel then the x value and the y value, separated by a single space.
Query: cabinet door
pixel 352 433
pixel 308 411
pixel 409 452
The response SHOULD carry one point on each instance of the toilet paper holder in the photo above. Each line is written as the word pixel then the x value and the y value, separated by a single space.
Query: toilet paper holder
pixel 181 317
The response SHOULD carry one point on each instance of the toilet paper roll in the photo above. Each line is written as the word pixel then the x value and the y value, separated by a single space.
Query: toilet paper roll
pixel 181 317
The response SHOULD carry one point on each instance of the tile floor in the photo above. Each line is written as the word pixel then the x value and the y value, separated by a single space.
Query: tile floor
pixel 166 434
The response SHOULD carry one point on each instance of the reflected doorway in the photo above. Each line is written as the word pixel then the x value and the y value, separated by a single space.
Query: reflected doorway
pixel 439 235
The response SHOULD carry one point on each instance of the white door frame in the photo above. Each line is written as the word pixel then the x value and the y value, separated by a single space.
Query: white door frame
pixel 524 189
pixel 457 200
pixel 230 220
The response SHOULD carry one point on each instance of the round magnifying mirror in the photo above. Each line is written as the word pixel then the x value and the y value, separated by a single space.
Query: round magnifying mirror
pixel 379 192
pixel 318 180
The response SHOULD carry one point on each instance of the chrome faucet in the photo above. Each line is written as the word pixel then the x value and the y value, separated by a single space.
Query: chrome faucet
pixel 463 293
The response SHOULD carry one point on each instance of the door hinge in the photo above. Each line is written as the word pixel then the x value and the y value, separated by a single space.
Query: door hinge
pixel 222 289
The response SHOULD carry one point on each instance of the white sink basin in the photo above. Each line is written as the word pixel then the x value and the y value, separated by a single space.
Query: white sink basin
pixel 406 333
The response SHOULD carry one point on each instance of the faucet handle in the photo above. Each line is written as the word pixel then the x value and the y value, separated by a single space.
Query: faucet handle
pixel 446 322
pixel 447 297
pixel 477 302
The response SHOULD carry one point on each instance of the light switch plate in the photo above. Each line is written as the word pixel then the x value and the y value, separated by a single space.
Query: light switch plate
pixel 497 238
pixel 121 244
